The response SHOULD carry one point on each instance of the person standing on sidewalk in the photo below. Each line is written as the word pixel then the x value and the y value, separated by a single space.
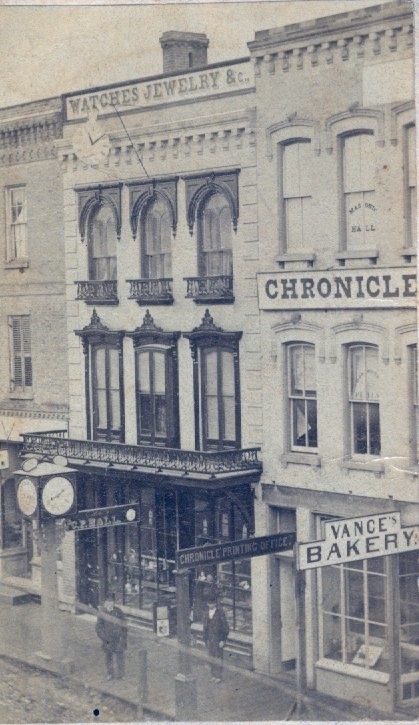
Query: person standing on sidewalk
pixel 215 634
pixel 112 630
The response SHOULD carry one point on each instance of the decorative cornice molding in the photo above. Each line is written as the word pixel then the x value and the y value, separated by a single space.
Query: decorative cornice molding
pixel 401 115
pixel 200 186
pixel 355 118
pixel 25 140
pixel 411 330
pixel 208 333
pixel 298 330
pixel 96 332
pixel 350 331
pixel 149 333
pixel 295 127
pixel 43 414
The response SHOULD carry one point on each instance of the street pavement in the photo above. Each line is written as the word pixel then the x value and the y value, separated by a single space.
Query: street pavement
pixel 241 696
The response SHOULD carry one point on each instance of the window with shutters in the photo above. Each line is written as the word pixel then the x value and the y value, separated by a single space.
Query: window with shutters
pixel 20 355
pixel 302 396
pixel 107 393
pixel 359 202
pixel 102 244
pixel 17 230
pixel 410 185
pixel 157 236
pixel 295 162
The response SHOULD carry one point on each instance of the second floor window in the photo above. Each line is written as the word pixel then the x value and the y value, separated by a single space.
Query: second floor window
pixel 156 398
pixel 17 247
pixel 106 393
pixel 359 202
pixel 410 184
pixel 157 235
pixel 296 194
pixel 302 393
pixel 364 400
pixel 215 238
pixel 102 244
pixel 219 410
pixel 20 354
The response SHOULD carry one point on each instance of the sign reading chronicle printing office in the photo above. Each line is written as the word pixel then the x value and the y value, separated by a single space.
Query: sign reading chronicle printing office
pixel 393 287
pixel 159 91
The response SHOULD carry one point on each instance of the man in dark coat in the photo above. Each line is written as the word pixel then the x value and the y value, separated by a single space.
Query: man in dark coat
pixel 215 634
pixel 111 629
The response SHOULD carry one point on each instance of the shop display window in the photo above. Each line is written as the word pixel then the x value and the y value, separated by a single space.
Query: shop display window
pixel 353 614
pixel 409 625
pixel 11 517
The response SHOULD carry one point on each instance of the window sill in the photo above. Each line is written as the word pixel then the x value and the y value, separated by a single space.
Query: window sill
pixel 408 252
pixel 17 395
pixel 305 459
pixel 308 257
pixel 22 263
pixel 362 673
pixel 349 254
pixel 371 466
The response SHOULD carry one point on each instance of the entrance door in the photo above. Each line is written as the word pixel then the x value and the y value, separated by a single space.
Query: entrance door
pixel 409 628
pixel 288 611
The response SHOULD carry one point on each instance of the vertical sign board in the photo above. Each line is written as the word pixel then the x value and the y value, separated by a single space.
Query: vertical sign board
pixel 358 538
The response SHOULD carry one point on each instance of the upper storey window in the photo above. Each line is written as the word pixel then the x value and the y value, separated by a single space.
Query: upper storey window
pixel 410 184
pixel 17 232
pixel 359 210
pixel 215 237
pixel 296 196
pixel 102 244
pixel 364 399
pixel 156 242
pixel 302 392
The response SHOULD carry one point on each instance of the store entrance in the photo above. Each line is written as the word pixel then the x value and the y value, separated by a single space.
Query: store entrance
pixel 409 628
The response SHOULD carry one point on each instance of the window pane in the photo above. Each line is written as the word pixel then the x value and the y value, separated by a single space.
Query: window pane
pixel 354 593
pixel 411 152
pixel 305 164
pixel 297 370
pixel 374 423
pixel 211 376
pixel 332 637
pixel 357 364
pixel 352 164
pixel 359 414
pixel 312 423
pixel 143 372
pixel 376 598
pixel 145 414
pixel 159 373
pixel 100 367
pixel 227 363
pixel 114 368
pixel 367 161
pixel 294 223
pixel 225 228
pixel 371 362
pixel 291 170
pixel 160 413
pixel 212 418
pixel 101 409
pixel 229 419
pixel 331 600
pixel 309 370
pixel 115 417
pixel 299 422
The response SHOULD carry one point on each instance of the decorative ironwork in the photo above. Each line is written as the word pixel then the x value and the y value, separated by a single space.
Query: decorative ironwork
pixel 99 292
pixel 151 291
pixel 91 198
pixel 217 288
pixel 171 459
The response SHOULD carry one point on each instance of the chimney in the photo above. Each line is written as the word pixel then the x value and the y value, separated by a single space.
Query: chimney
pixel 183 51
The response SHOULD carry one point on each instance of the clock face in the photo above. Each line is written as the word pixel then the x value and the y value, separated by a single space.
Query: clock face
pixel 58 495
pixel 27 496
pixel 91 143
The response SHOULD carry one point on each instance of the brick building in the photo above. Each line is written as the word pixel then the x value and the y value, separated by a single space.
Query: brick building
pixel 337 294
pixel 33 396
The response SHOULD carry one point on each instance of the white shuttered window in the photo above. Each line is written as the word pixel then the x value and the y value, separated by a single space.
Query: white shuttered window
pixel 20 354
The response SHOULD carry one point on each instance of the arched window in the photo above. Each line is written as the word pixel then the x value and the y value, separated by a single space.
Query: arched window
pixel 302 394
pixel 156 241
pixel 364 399
pixel 102 244
pixel 358 201
pixel 215 237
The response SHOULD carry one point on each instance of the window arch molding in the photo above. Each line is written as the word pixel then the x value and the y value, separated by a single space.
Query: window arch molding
pixel 405 336
pixel 200 188
pixel 359 332
pixel 143 194
pixel 347 123
pixel 301 129
pixel 91 199
pixel 402 115
pixel 297 331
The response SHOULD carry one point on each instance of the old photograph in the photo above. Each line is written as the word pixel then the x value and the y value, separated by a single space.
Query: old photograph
pixel 209 422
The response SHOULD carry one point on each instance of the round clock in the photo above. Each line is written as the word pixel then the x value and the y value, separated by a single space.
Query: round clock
pixel 27 496
pixel 58 495
pixel 91 143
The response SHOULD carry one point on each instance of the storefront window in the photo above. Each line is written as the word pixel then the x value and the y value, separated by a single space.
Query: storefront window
pixel 353 616
pixel 409 625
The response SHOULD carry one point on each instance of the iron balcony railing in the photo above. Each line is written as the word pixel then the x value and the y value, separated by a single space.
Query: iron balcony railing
pixel 217 288
pixel 98 292
pixel 151 291
pixel 171 459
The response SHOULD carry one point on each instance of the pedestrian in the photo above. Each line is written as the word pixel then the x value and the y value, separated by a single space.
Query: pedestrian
pixel 111 629
pixel 215 634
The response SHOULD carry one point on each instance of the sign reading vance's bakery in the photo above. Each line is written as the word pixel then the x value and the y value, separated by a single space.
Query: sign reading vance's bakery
pixel 194 85
pixel 323 289
pixel 364 537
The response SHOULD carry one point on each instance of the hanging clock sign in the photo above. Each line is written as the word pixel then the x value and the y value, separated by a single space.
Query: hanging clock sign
pixel 46 491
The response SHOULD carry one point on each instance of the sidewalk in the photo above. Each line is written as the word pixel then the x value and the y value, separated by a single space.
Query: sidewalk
pixel 242 695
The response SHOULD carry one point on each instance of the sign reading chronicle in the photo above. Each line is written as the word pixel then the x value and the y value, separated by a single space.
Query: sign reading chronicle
pixel 198 84
pixel 323 289
pixel 358 538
